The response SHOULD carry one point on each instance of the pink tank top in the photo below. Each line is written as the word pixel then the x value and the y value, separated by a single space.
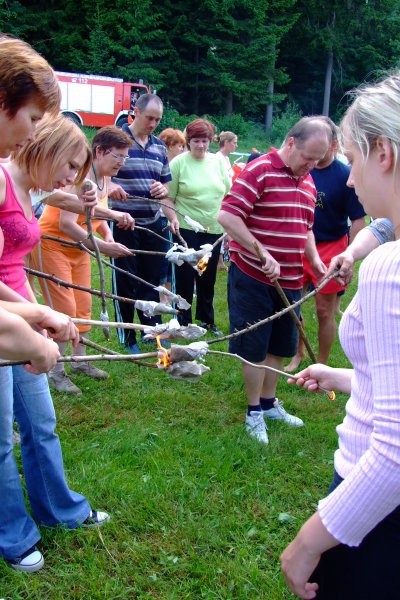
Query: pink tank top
pixel 20 236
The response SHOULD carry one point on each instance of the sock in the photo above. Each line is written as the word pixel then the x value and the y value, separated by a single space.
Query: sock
pixel 267 403
pixel 256 408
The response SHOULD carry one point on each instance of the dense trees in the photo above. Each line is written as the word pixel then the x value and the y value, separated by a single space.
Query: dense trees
pixel 219 56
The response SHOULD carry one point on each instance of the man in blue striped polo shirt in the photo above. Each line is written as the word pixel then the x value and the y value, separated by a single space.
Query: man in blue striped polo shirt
pixel 144 175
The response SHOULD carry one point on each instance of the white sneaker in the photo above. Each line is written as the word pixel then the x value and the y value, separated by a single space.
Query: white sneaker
pixel 96 518
pixel 30 562
pixel 256 426
pixel 280 414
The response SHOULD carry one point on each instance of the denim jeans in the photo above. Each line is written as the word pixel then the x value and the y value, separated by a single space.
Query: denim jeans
pixel 26 398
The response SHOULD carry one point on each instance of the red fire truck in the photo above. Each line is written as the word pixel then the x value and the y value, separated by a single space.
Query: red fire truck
pixel 95 101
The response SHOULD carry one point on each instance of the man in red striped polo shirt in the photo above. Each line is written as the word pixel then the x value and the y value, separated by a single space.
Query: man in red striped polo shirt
pixel 271 204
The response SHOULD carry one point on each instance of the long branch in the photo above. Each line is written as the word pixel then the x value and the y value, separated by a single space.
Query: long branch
pixel 75 286
pixel 276 315
pixel 115 324
pixel 91 237
pixel 331 393
pixel 82 246
pixel 90 358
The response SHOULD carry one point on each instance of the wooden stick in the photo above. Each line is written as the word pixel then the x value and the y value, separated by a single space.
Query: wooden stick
pixel 90 358
pixel 96 249
pixel 103 350
pixel 68 284
pixel 82 246
pixel 275 315
pixel 217 241
pixel 86 342
pixel 115 324
pixel 150 252
pixel 286 302
pixel 296 320
pixel 331 393
pixel 92 291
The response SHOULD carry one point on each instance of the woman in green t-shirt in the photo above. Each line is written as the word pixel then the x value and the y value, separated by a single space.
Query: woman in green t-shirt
pixel 199 182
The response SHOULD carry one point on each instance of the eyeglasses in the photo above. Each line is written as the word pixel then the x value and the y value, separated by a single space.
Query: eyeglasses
pixel 118 157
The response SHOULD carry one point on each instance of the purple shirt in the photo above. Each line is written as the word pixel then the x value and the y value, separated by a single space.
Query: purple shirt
pixel 368 457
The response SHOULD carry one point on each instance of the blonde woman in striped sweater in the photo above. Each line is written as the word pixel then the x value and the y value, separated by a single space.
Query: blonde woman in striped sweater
pixel 349 548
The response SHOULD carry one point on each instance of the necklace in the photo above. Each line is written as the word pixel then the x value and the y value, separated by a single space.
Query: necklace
pixel 95 178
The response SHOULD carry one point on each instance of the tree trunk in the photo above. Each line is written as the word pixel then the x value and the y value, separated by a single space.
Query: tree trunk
pixel 328 83
pixel 270 106
pixel 229 103
pixel 196 84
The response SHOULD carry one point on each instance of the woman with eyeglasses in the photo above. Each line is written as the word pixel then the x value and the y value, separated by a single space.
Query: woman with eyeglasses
pixel 110 149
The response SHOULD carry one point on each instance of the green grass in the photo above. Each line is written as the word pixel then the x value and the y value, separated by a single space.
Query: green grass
pixel 195 502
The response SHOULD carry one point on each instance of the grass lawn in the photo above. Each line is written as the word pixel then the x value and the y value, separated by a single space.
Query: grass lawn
pixel 199 509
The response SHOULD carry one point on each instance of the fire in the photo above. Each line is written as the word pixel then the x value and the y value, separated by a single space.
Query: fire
pixel 163 357
pixel 202 264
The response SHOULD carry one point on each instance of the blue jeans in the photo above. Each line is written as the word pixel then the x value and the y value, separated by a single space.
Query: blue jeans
pixel 26 398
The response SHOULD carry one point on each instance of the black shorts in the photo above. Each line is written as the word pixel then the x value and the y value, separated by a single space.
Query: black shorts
pixel 250 301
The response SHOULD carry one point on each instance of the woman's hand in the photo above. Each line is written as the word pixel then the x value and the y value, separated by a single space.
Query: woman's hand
pixel 314 376
pixel 302 556
pixel 320 375
pixel 344 264
pixel 297 565
pixel 174 225
pixel 116 192
pixel 113 249
pixel 123 220
pixel 45 359
pixel 88 197
pixel 59 326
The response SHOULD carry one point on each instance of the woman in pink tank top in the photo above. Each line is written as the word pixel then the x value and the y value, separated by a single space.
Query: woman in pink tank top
pixel 58 156
pixel 28 88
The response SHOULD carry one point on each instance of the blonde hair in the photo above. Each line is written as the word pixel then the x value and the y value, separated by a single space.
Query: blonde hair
pixel 172 137
pixel 25 77
pixel 375 112
pixel 225 136
pixel 57 140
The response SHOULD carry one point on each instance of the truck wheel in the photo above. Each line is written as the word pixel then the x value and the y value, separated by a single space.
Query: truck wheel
pixel 72 117
pixel 121 121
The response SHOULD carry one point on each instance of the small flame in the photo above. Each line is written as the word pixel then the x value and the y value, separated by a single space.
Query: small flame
pixel 203 262
pixel 163 357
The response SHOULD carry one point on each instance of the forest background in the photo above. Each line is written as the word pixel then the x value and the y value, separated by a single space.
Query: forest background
pixel 244 62
pixel 199 509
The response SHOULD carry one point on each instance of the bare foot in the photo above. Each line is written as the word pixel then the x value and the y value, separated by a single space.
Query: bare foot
pixel 294 363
